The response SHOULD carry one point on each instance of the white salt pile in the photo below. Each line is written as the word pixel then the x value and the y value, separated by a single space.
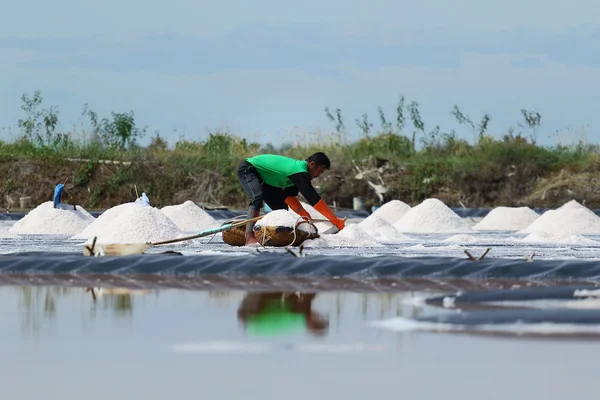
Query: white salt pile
pixel 351 236
pixel 507 219
pixel 558 237
pixel 284 218
pixel 391 211
pixel 47 220
pixel 380 229
pixel 189 217
pixel 131 223
pixel 321 226
pixel 431 216
pixel 570 219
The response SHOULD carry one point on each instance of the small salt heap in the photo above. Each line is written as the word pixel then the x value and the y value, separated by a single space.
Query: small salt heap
pixel 431 216
pixel 189 217
pixel 570 219
pixel 351 236
pixel 47 220
pixel 507 219
pixel 392 211
pixel 321 226
pixel 284 218
pixel 131 223
pixel 380 229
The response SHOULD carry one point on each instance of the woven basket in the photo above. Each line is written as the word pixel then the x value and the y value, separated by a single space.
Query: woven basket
pixel 278 236
pixel 281 236
pixel 235 236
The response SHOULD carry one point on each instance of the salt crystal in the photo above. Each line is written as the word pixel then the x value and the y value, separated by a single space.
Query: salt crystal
pixel 461 239
pixel 47 220
pixel 131 223
pixel 189 217
pixel 381 230
pixel 391 211
pixel 431 215
pixel 284 218
pixel 507 219
pixel 568 219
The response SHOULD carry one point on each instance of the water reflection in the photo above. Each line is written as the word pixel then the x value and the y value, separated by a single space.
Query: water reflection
pixel 275 313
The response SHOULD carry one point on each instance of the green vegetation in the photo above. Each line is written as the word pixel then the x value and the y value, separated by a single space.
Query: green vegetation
pixel 104 165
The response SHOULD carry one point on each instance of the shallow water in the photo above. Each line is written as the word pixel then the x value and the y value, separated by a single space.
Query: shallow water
pixel 62 343
pixel 167 336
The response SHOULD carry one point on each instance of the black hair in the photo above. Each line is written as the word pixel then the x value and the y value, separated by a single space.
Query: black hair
pixel 320 159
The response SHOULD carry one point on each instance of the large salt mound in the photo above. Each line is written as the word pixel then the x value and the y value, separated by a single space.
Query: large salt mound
pixel 351 236
pixel 431 216
pixel 391 211
pixel 380 229
pixel 47 220
pixel 189 217
pixel 558 237
pixel 507 219
pixel 131 223
pixel 568 220
pixel 284 218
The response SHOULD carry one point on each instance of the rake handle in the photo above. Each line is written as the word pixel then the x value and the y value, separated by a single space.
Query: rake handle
pixel 210 231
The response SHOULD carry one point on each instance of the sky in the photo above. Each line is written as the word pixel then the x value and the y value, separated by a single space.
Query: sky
pixel 266 70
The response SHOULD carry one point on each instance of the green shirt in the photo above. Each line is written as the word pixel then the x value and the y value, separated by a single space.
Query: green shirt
pixel 275 170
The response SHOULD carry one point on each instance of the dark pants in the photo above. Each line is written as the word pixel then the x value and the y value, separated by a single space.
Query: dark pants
pixel 259 192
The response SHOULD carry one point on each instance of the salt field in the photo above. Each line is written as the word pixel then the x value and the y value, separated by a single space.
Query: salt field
pixel 396 297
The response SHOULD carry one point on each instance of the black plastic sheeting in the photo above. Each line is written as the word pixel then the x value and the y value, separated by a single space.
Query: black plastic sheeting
pixel 285 264
pixel 567 293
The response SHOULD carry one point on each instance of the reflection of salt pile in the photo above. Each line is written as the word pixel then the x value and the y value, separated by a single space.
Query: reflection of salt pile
pixel 189 217
pixel 431 215
pixel 507 219
pixel 381 230
pixel 284 218
pixel 131 223
pixel 350 236
pixel 391 211
pixel 570 219
pixel 47 220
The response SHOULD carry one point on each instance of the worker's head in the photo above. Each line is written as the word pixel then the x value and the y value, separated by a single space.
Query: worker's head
pixel 317 164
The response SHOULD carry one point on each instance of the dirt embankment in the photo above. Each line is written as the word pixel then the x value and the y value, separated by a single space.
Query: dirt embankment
pixel 97 185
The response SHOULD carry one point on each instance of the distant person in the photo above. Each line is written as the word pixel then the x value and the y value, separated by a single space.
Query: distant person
pixel 276 313
pixel 277 180
pixel 57 199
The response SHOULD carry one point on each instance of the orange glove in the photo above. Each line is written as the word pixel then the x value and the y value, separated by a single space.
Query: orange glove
pixel 295 205
pixel 322 207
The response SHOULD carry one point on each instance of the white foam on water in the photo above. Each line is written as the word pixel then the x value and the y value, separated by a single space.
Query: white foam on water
pixel 507 219
pixel 381 230
pixel 284 218
pixel 391 211
pixel 131 223
pixel 432 216
pixel 189 217
pixel 570 219
pixel 401 324
pixel 47 220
